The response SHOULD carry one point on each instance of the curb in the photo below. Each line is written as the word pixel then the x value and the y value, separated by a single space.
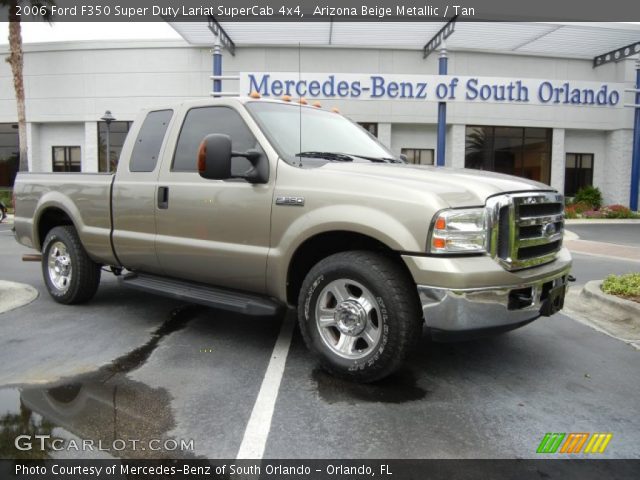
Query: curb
pixel 602 221
pixel 15 295
pixel 614 316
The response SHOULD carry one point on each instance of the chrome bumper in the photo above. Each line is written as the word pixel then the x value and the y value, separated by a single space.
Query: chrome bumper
pixel 459 310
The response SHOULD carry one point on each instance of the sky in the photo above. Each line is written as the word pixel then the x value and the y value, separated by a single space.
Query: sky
pixel 34 32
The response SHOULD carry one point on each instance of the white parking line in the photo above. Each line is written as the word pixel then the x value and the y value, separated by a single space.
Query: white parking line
pixel 257 431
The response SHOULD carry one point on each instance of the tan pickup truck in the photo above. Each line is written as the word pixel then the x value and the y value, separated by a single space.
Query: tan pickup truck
pixel 252 205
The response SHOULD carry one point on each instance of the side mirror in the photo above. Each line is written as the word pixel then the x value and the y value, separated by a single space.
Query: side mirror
pixel 403 157
pixel 214 157
pixel 214 160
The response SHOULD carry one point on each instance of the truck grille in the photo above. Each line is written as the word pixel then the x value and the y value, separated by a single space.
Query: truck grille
pixel 525 228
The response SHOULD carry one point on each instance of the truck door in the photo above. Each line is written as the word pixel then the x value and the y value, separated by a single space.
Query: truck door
pixel 134 193
pixel 213 231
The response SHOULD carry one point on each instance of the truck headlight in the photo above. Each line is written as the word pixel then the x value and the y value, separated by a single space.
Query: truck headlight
pixel 459 231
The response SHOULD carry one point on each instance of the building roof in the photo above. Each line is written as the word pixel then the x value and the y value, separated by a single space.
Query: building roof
pixel 570 40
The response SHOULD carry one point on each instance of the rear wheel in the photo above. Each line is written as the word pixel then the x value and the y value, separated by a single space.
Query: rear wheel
pixel 359 313
pixel 70 275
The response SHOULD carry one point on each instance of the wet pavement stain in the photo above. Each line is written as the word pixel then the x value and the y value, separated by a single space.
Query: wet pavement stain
pixel 104 407
pixel 397 388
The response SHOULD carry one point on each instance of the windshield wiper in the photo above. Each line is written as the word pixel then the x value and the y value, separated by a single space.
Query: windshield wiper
pixel 376 159
pixel 339 157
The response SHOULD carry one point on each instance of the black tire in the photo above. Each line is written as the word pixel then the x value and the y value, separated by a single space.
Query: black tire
pixel 82 276
pixel 373 283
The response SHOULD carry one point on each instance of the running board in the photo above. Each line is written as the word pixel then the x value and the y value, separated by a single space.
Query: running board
pixel 239 302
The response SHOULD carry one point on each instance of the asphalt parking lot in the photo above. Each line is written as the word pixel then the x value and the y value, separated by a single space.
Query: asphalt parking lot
pixel 132 365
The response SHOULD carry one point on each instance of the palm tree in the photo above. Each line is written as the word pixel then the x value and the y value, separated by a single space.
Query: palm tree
pixel 16 61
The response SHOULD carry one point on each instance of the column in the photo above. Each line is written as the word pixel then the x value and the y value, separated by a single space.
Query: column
pixel 456 141
pixel 90 147
pixel 384 134
pixel 558 159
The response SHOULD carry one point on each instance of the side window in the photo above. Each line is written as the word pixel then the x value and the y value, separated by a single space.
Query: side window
pixel 203 121
pixel 147 148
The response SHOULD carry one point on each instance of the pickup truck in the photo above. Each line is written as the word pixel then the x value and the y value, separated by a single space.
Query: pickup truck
pixel 252 205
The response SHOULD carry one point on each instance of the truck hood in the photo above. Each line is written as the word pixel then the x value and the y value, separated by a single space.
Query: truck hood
pixel 459 187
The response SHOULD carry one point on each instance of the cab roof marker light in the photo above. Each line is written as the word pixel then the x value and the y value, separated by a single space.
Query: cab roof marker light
pixel 317 104
pixel 255 94
pixel 303 101
pixel 286 98
pixel 335 110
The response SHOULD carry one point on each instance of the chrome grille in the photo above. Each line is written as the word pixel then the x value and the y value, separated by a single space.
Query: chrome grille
pixel 525 228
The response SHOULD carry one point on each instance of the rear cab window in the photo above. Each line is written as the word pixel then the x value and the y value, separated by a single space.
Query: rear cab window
pixel 146 150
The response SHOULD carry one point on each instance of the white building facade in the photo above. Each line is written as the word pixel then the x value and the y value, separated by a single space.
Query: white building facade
pixel 567 144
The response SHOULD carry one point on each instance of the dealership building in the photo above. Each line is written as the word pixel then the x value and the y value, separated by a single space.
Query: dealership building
pixel 525 99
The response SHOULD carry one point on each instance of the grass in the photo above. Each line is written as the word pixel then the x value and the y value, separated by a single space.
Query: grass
pixel 626 286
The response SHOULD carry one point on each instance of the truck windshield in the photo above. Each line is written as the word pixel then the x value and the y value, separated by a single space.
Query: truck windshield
pixel 301 132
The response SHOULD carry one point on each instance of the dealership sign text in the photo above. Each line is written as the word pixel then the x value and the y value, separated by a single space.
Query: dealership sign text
pixel 436 88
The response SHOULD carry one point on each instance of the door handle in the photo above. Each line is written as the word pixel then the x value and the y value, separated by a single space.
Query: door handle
pixel 163 197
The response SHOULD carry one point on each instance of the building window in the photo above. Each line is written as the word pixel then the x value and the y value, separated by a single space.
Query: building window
pixel 66 159
pixel 117 136
pixel 372 128
pixel 578 172
pixel 521 151
pixel 9 153
pixel 418 156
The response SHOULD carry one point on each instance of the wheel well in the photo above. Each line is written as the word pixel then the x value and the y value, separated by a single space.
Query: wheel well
pixel 50 218
pixel 323 245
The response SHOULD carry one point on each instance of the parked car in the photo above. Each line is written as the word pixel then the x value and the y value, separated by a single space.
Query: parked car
pixel 252 205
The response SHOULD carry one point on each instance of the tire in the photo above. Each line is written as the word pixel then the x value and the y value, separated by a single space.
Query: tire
pixel 359 313
pixel 70 275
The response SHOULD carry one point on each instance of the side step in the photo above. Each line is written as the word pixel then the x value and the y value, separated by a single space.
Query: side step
pixel 239 302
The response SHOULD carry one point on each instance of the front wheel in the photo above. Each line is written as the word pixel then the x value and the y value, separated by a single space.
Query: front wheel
pixel 359 313
pixel 70 275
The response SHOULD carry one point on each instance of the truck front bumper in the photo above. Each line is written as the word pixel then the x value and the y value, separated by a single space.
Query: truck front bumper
pixel 451 312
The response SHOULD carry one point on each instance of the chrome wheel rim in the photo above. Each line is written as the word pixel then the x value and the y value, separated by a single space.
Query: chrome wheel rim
pixel 59 267
pixel 348 319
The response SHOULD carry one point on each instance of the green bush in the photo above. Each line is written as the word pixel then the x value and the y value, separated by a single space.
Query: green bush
pixel 5 197
pixel 589 195
pixel 627 285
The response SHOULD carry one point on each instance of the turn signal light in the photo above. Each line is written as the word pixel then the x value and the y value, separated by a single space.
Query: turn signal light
pixel 202 155
pixel 439 242
pixel 441 223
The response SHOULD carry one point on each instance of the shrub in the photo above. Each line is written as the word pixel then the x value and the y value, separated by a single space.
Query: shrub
pixel 570 212
pixel 617 211
pixel 581 207
pixel 623 285
pixel 5 197
pixel 591 196
pixel 593 214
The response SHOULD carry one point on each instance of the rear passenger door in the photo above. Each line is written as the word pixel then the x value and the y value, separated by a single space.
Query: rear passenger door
pixel 214 231
pixel 134 193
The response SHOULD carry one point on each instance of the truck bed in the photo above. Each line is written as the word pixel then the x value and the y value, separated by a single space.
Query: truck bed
pixel 84 197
